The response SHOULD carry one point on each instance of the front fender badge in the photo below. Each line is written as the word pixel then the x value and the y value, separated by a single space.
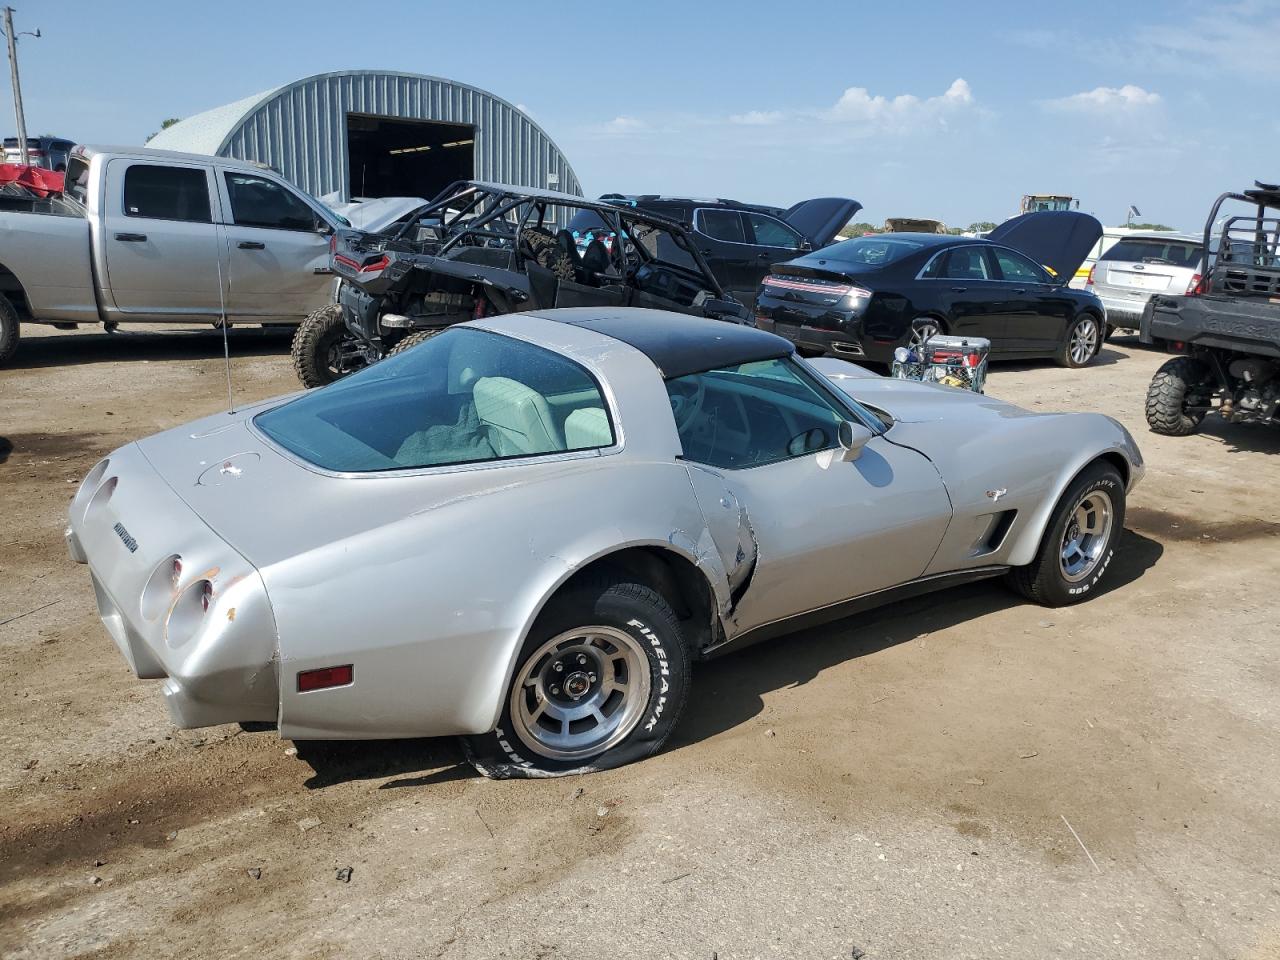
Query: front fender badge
pixel 995 495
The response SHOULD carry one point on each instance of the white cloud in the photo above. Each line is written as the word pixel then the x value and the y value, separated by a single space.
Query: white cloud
pixel 904 112
pixel 757 118
pixel 1106 101
pixel 622 126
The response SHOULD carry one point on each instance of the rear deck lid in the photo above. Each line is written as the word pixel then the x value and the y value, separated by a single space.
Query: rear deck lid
pixel 1058 239
pixel 822 218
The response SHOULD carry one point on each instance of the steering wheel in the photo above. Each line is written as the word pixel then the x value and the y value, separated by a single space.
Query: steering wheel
pixel 686 401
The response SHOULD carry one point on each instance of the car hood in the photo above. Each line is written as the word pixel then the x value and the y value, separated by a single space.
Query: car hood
pixel 822 218
pixel 910 401
pixel 1058 239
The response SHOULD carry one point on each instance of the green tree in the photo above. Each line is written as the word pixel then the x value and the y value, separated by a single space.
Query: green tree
pixel 1149 226
pixel 858 229
pixel 980 226
pixel 164 125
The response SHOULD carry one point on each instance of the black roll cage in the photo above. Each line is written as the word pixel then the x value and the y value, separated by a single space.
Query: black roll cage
pixel 1264 196
pixel 510 199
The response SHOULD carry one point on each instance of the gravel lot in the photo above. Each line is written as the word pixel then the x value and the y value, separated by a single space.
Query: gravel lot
pixel 899 785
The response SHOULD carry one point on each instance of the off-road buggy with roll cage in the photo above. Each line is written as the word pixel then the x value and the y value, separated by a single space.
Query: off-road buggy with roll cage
pixel 480 249
pixel 1226 328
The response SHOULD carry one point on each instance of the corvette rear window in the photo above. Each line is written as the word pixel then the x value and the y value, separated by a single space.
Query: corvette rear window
pixel 464 396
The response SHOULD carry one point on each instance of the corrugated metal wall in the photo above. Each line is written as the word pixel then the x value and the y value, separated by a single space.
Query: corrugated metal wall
pixel 302 130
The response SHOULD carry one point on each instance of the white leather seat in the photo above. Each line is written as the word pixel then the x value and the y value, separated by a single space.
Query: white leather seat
pixel 515 417
pixel 587 428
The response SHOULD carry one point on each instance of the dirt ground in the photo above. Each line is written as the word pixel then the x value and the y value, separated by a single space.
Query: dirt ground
pixel 904 784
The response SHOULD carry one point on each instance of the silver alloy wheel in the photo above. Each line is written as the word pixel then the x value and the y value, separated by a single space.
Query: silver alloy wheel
pixel 1086 535
pixel 1084 340
pixel 922 330
pixel 580 693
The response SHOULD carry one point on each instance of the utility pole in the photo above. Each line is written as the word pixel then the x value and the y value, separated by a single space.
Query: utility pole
pixel 17 87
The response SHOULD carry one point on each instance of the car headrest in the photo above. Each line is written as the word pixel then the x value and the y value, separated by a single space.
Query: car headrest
pixel 587 428
pixel 515 417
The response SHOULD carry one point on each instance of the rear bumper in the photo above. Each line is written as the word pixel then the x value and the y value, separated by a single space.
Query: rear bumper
pixel 1243 326
pixel 1123 311
pixel 218 663
pixel 823 331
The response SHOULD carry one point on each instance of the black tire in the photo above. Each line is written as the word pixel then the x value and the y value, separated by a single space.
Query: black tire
pixel 1045 580
pixel 557 261
pixel 10 330
pixel 412 340
pixel 1068 355
pixel 642 624
pixel 315 345
pixel 1111 332
pixel 1167 397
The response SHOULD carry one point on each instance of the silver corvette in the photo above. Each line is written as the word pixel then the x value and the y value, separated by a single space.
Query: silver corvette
pixel 523 530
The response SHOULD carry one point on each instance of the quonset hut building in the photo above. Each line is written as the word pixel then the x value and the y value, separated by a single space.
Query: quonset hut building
pixel 373 133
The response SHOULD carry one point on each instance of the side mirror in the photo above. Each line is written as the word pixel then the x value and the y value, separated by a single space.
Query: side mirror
pixel 853 437
pixel 322 227
pixel 805 246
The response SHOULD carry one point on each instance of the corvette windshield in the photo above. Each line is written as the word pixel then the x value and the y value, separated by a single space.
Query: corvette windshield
pixel 464 396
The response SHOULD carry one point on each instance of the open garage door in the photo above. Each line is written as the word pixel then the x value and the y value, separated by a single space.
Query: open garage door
pixel 391 157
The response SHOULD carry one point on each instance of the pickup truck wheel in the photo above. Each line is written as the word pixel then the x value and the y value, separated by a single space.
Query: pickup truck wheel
pixel 1178 397
pixel 412 340
pixel 10 330
pixel 1078 542
pixel 318 350
pixel 600 682
pixel 1082 342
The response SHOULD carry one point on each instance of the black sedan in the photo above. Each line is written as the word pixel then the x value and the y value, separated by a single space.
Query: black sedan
pixel 862 298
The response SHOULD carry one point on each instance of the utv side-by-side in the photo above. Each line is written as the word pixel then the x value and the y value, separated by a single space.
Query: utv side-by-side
pixel 1227 329
pixel 481 249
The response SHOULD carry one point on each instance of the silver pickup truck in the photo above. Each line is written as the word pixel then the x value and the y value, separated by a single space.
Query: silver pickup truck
pixel 150 236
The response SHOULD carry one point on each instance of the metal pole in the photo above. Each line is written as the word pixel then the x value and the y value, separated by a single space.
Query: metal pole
pixel 17 87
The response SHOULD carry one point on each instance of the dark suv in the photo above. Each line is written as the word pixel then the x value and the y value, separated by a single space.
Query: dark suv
pixel 739 241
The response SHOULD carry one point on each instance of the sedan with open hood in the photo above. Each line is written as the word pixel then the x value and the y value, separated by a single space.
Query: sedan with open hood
pixel 523 530
pixel 864 297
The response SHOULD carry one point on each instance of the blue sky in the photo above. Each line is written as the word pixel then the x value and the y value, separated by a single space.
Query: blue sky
pixel 915 109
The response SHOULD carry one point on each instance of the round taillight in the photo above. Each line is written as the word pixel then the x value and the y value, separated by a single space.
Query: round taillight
pixel 187 613
pixel 161 587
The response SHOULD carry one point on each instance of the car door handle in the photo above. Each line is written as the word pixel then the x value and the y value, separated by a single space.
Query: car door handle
pixel 132 237
pixel 251 245
pixel 959 289
pixel 1023 290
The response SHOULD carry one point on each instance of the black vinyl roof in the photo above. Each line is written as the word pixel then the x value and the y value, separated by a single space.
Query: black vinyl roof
pixel 678 344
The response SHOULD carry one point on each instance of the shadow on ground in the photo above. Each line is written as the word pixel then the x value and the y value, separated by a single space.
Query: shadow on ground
pixel 731 689
pixel 35 352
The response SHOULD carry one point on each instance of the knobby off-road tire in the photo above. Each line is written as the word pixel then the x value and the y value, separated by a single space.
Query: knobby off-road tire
pixel 1079 540
pixel 314 346
pixel 1082 342
pixel 411 341
pixel 611 644
pixel 10 330
pixel 1167 397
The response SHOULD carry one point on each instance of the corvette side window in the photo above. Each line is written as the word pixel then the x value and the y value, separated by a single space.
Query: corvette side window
pixel 751 414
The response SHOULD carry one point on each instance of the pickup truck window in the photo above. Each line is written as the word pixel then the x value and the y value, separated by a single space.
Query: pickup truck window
pixel 258 202
pixel 166 193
